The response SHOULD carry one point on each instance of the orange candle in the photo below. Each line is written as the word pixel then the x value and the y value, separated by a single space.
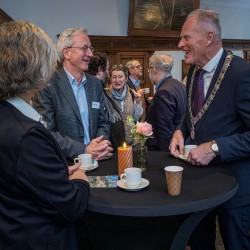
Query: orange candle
pixel 125 158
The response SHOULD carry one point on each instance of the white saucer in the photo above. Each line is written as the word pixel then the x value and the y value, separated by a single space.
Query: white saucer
pixel 90 168
pixel 144 183
pixel 183 157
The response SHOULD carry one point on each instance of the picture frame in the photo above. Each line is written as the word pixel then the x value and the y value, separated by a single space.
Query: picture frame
pixel 163 18
pixel 246 54
pixel 4 17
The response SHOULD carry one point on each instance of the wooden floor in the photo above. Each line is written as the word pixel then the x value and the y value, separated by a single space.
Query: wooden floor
pixel 219 243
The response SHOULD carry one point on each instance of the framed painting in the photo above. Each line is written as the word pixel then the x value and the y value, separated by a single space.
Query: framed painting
pixel 246 55
pixel 4 17
pixel 159 17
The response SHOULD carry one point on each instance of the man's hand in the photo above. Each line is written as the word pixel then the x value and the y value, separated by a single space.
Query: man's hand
pixel 100 149
pixel 137 97
pixel 176 146
pixel 201 155
pixel 141 91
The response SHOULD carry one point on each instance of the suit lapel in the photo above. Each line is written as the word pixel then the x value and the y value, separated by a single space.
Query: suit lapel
pixel 131 85
pixel 66 89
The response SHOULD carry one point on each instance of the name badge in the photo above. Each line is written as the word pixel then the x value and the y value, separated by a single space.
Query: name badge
pixel 95 105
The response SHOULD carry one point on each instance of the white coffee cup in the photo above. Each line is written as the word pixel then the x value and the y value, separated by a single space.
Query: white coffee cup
pixel 131 177
pixel 85 159
pixel 187 149
pixel 147 90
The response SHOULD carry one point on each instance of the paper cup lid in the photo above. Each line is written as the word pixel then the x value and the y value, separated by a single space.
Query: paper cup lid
pixel 173 168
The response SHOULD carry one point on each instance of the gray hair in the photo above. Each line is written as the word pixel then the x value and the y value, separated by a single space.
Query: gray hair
pixel 209 21
pixel 27 58
pixel 65 39
pixel 130 65
pixel 162 62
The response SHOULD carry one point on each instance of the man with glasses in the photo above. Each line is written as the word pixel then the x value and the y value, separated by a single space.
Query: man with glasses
pixel 135 72
pixel 73 105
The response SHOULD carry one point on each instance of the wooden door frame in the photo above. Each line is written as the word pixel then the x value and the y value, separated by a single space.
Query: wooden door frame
pixel 140 56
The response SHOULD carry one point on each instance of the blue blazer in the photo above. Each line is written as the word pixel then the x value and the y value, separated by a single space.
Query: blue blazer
pixel 228 122
pixel 38 203
pixel 165 112
pixel 58 106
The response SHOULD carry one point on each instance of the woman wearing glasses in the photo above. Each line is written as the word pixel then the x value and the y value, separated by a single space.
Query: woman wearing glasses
pixel 123 102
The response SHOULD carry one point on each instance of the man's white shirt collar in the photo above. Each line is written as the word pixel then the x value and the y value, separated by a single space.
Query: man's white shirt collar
pixel 212 64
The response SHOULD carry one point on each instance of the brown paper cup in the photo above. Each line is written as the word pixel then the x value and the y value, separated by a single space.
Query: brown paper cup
pixel 173 179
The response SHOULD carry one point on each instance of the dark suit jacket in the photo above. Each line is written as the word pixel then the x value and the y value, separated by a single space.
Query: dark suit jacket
pixel 58 106
pixel 165 112
pixel 38 202
pixel 228 122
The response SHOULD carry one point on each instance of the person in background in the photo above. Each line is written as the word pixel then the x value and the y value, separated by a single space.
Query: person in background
pixel 219 126
pixel 99 67
pixel 73 104
pixel 134 73
pixel 168 104
pixel 125 102
pixel 40 197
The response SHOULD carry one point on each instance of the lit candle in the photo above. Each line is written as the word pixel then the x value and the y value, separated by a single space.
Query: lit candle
pixel 125 158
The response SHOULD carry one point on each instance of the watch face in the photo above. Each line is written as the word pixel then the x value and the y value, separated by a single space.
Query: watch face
pixel 215 147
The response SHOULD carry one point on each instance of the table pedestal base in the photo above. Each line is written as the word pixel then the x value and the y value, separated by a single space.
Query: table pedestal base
pixel 130 233
pixel 106 232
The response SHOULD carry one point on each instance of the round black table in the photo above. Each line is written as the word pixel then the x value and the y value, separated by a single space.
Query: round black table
pixel 151 218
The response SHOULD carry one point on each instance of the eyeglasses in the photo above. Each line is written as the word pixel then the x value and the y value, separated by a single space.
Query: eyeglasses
pixel 138 67
pixel 83 48
pixel 120 66
pixel 150 68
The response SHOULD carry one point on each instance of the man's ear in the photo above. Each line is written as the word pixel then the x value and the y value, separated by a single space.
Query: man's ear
pixel 66 52
pixel 210 37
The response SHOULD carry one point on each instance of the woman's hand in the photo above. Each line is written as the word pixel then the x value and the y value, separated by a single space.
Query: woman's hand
pixel 74 168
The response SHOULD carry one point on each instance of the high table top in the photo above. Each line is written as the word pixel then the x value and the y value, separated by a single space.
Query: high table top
pixel 202 188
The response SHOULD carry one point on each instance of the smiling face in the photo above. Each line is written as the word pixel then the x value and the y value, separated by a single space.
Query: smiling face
pixel 194 42
pixel 75 59
pixel 118 79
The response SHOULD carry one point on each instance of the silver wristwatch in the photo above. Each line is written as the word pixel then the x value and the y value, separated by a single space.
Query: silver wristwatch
pixel 215 147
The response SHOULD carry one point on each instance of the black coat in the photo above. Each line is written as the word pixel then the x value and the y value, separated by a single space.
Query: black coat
pixel 165 112
pixel 228 122
pixel 39 204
